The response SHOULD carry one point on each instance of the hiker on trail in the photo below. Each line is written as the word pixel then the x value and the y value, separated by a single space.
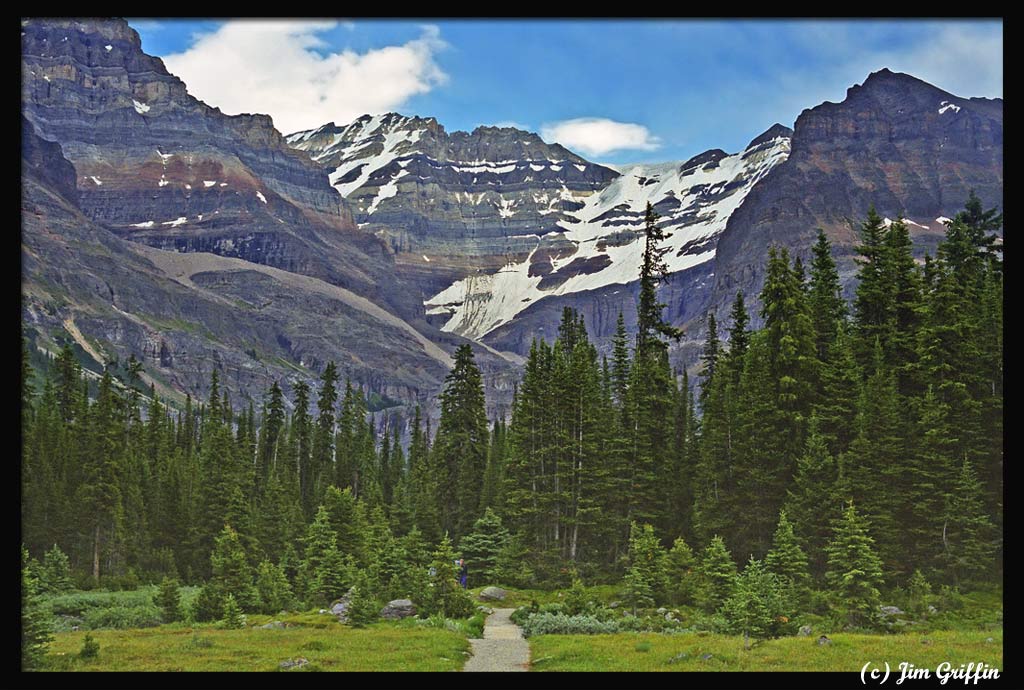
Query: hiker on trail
pixel 463 573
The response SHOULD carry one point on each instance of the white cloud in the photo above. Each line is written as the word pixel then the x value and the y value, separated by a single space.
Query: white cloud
pixel 597 136
pixel 271 67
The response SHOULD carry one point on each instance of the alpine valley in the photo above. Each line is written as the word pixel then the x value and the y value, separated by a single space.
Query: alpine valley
pixel 156 227
pixel 377 395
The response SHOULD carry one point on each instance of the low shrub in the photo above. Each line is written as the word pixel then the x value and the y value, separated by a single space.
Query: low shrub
pixel 562 624
pixel 475 626
pixel 121 617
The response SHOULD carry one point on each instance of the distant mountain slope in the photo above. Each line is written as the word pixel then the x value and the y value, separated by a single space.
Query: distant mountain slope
pixel 183 314
pixel 491 223
pixel 451 204
pixel 155 226
pixel 160 167
pixel 896 142
pixel 602 243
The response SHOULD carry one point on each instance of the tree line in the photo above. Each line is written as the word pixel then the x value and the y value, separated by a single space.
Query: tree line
pixel 889 408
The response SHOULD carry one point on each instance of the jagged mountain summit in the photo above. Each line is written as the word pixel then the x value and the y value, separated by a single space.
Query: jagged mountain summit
pixel 897 142
pixel 492 222
pixel 602 242
pixel 451 204
pixel 161 228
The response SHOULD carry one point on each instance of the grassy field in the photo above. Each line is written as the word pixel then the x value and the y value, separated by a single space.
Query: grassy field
pixel 320 639
pixel 848 652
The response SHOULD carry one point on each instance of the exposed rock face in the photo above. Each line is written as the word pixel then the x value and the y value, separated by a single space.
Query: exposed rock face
pixel 594 261
pixel 896 142
pixel 501 230
pixel 160 167
pixel 183 315
pixel 451 204
pixel 242 256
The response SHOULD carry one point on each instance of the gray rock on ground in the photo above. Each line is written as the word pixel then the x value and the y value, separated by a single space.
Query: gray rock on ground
pixel 340 607
pixel 397 609
pixel 805 630
pixel 493 594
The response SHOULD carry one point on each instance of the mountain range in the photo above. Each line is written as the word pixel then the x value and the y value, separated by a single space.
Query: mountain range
pixel 156 226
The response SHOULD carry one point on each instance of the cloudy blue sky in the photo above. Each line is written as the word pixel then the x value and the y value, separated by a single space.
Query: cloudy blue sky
pixel 614 91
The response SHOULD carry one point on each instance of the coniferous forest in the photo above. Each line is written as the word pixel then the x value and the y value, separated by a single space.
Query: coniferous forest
pixel 849 448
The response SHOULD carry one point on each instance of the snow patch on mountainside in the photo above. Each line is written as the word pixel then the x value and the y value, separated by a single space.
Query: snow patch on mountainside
pixel 607 241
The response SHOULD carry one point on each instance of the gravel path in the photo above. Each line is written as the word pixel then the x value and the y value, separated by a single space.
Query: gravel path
pixel 503 647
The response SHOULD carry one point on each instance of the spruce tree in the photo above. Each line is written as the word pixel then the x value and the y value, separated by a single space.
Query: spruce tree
pixel 447 597
pixel 739 336
pixel 825 297
pixel 481 547
pixel 709 358
pixel 788 561
pixel 321 468
pixel 275 593
pixel 324 574
pixel 620 361
pixel 35 625
pixel 717 574
pixel 301 442
pixel 757 602
pixel 682 574
pixel 461 443
pixel 55 573
pixel 653 388
pixel 811 500
pixel 233 618
pixel 646 578
pixel 879 459
pixel 854 574
pixel 347 520
pixel 168 600
pixel 873 302
pixel 231 572
pixel 270 433
pixel 967 535
pixel 363 608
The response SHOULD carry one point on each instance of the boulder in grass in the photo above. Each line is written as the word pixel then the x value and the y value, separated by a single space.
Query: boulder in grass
pixel 340 607
pixel 397 609
pixel 493 594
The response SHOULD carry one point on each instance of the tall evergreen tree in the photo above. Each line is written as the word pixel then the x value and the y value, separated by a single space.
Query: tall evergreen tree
pixel 709 358
pixel 461 443
pixel 968 534
pixel 825 297
pixel 811 499
pixel 739 336
pixel 321 468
